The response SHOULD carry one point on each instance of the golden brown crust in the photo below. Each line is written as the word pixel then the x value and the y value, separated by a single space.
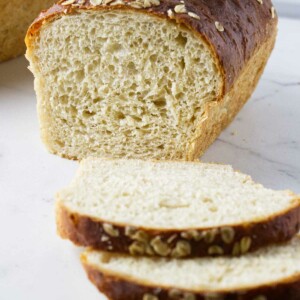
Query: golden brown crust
pixel 195 242
pixel 117 288
pixel 220 114
pixel 247 24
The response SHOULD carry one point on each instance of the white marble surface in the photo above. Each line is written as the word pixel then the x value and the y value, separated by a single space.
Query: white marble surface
pixel 288 8
pixel 35 264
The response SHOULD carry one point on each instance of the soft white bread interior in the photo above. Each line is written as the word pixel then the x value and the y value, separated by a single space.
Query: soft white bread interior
pixel 15 17
pixel 122 84
pixel 170 195
pixel 268 266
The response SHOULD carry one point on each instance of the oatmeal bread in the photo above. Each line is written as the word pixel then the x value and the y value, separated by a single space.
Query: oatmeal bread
pixel 145 79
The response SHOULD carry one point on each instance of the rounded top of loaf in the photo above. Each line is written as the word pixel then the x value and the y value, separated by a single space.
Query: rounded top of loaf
pixel 233 29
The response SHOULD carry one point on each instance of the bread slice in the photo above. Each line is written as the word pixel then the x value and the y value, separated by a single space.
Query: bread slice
pixel 15 18
pixel 144 79
pixel 176 209
pixel 272 273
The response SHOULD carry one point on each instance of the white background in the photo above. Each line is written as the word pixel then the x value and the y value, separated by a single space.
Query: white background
pixel 288 8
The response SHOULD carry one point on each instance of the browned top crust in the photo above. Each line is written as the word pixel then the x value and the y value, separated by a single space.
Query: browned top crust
pixel 234 29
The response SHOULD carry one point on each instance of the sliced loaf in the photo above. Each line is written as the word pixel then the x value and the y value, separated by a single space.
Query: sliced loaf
pixel 145 78
pixel 176 209
pixel 272 273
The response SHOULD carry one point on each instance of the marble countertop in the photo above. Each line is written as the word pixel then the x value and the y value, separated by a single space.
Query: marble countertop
pixel 288 8
pixel 263 141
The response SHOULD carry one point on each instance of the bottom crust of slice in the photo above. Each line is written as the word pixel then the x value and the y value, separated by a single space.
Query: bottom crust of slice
pixel 85 231
pixel 116 288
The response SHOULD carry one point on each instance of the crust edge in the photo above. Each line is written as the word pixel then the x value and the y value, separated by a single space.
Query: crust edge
pixel 247 237
pixel 116 287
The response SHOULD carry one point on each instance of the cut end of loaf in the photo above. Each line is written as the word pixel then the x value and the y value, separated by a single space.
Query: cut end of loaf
pixel 121 84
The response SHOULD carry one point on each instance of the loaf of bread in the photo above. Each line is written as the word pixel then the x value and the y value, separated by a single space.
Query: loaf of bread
pixel 15 18
pixel 145 78
pixel 173 209
pixel 272 273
